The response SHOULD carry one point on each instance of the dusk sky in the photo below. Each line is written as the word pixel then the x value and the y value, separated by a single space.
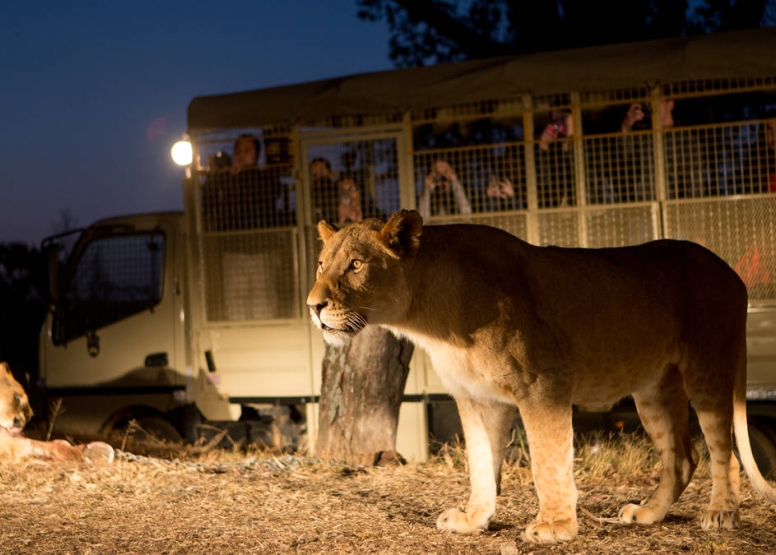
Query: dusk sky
pixel 93 94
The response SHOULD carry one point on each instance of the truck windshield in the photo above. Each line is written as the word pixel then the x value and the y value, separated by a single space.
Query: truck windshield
pixel 113 278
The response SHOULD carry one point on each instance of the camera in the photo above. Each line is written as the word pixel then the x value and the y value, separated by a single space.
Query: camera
pixel 220 161
pixel 440 180
pixel 646 122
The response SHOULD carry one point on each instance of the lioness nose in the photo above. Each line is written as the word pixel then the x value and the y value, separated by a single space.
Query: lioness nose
pixel 317 307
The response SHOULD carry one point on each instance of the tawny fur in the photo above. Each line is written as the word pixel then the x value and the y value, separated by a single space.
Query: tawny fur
pixel 510 324
pixel 15 412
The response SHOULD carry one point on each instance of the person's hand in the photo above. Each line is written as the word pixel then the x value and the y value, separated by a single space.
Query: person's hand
pixel 500 188
pixel 235 168
pixel 635 113
pixel 562 125
pixel 213 163
pixel 349 212
pixel 666 114
pixel 551 131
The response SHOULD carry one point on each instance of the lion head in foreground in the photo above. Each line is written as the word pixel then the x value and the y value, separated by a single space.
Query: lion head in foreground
pixel 15 409
pixel 360 278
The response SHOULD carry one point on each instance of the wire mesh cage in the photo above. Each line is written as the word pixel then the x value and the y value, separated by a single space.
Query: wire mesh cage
pixel 740 230
pixel 598 168
pixel 250 276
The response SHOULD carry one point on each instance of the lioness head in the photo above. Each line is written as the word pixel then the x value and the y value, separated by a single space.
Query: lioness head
pixel 361 274
pixel 15 409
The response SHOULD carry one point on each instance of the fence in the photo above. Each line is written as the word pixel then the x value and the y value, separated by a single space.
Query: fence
pixel 691 160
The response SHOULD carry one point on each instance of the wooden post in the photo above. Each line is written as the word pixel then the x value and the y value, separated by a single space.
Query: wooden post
pixel 361 391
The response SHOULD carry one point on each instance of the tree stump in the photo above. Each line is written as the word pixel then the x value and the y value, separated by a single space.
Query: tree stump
pixel 361 392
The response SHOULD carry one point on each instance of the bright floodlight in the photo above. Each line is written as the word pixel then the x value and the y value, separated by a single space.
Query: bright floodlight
pixel 181 153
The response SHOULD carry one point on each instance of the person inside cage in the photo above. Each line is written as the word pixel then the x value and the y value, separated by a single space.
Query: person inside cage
pixel 247 150
pixel 639 112
pixel 220 161
pixel 243 198
pixel 555 162
pixel 324 190
pixel 620 163
pixel 349 208
pixel 561 125
pixel 443 193
pixel 355 204
pixel 505 188
pixel 246 196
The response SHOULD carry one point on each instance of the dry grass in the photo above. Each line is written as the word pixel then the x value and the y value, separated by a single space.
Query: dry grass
pixel 217 502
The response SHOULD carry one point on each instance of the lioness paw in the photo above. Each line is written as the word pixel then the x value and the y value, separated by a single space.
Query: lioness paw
pixel 639 514
pixel 551 532
pixel 717 520
pixel 455 520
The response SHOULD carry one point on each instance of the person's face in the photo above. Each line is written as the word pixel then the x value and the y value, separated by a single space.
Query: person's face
pixel 440 166
pixel 319 171
pixel 349 192
pixel 245 154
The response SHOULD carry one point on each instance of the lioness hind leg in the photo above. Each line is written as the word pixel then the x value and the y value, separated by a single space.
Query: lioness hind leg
pixel 710 388
pixel 664 411
pixel 486 428
pixel 723 507
pixel 550 440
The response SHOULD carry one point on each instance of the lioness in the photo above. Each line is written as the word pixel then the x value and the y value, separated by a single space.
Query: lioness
pixel 507 323
pixel 15 412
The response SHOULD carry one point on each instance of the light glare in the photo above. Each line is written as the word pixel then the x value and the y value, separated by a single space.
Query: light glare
pixel 181 153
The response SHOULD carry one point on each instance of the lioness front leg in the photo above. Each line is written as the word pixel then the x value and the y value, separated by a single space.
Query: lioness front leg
pixel 551 443
pixel 486 428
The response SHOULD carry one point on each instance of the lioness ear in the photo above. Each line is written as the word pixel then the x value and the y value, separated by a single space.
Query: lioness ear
pixel 401 233
pixel 4 368
pixel 326 230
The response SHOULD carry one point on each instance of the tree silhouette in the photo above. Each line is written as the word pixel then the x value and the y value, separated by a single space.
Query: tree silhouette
pixel 425 32
pixel 23 288
pixel 22 280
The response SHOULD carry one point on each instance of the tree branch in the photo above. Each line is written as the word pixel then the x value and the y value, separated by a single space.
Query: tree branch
pixel 472 43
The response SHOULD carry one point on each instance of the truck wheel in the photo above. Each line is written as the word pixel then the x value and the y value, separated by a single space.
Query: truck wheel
pixel 159 427
pixel 762 436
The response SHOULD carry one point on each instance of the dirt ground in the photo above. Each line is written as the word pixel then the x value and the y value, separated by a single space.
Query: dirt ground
pixel 184 502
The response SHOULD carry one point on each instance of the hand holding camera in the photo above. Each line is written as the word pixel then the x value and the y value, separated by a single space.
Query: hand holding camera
pixel 636 112
pixel 500 188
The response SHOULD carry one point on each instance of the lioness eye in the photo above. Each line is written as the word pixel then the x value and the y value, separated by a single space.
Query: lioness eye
pixel 356 264
pixel 17 398
pixel 320 266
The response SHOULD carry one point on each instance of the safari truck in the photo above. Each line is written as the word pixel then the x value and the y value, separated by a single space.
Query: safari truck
pixel 180 318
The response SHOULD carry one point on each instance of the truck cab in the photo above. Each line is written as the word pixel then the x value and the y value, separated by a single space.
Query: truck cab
pixel 114 346
pixel 125 341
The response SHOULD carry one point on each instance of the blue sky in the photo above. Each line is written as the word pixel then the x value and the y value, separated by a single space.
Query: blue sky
pixel 94 93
